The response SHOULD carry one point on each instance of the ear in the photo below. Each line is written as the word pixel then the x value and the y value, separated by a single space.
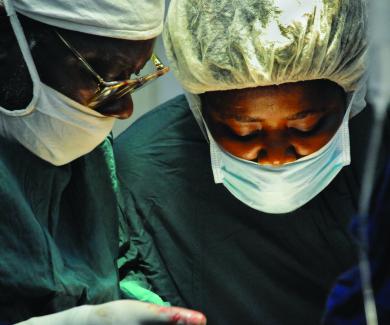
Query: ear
pixel 2 11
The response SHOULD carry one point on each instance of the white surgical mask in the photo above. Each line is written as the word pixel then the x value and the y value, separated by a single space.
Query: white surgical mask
pixel 53 126
pixel 284 188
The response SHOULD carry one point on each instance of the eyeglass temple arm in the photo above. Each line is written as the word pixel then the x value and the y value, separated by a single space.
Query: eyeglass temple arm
pixel 80 58
pixel 139 82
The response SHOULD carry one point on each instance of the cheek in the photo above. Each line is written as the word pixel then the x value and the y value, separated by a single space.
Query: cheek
pixel 246 150
pixel 83 95
pixel 309 145
pixel 77 89
pixel 243 149
pixel 69 78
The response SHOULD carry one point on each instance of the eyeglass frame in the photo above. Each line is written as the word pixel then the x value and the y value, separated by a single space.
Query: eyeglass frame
pixel 110 90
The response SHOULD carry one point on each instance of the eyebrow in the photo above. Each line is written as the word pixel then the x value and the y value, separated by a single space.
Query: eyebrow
pixel 303 114
pixel 243 118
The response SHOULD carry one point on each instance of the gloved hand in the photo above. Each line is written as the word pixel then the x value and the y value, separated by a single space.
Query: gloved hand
pixel 120 312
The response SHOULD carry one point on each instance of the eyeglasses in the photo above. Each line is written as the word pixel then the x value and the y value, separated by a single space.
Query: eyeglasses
pixel 108 91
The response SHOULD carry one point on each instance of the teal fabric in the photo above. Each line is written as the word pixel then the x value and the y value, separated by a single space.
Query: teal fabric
pixel 59 242
pixel 201 248
pixel 58 232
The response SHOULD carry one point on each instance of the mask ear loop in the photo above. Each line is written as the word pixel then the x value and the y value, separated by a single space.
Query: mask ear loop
pixel 359 103
pixel 195 106
pixel 24 48
pixel 346 141
pixel 216 163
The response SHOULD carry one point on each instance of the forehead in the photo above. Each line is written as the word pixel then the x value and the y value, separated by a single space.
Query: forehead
pixel 275 100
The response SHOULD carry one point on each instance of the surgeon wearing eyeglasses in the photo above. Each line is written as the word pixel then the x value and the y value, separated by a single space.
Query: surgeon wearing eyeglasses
pixel 68 70
pixel 245 185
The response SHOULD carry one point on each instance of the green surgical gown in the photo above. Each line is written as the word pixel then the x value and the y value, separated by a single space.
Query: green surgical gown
pixel 59 238
pixel 200 247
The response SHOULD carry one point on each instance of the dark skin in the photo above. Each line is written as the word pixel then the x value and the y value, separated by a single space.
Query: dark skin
pixel 113 59
pixel 275 125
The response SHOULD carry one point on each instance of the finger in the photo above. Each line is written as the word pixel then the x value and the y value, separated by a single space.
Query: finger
pixel 177 315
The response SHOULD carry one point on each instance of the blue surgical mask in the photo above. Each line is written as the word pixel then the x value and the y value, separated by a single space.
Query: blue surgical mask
pixel 284 188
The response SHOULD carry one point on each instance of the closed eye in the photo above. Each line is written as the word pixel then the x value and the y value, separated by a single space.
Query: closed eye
pixel 240 137
pixel 311 131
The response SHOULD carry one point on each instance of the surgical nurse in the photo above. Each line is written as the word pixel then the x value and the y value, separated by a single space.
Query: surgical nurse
pixel 244 187
pixel 67 69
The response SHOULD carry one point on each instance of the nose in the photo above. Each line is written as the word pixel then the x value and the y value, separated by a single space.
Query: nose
pixel 121 108
pixel 276 152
